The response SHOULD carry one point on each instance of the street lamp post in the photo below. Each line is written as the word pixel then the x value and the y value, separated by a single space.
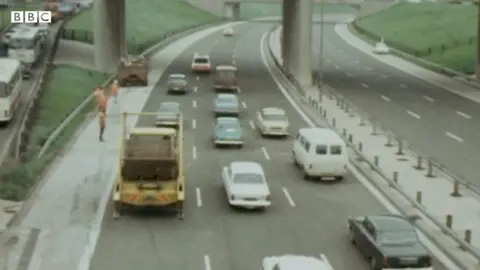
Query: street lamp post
pixel 320 63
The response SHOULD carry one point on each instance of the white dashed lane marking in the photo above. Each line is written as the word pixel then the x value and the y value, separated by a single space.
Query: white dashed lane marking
pixel 464 115
pixel 199 197
pixel 428 98
pixel 413 114
pixel 453 136
pixel 385 98
pixel 265 153
pixel 288 196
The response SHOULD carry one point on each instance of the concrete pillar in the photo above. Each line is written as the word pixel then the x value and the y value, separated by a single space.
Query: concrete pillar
pixel 301 36
pixel 108 34
pixel 231 10
pixel 286 33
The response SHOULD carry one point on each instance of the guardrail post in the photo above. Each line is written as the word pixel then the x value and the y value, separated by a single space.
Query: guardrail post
pixel 419 165
pixel 418 197
pixel 347 107
pixel 430 169
pixel 456 189
pixel 350 138
pixel 400 148
pixel 360 147
pixel 324 113
pixel 389 141
pixel 468 236
pixel 395 177
pixel 374 129
pixel 338 102
pixel 449 221
pixel 362 122
pixel 344 132
pixel 376 161
pixel 334 122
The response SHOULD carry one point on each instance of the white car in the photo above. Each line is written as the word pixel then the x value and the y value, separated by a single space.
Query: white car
pixel 272 121
pixel 228 32
pixel 245 185
pixel 381 48
pixel 201 63
pixel 296 262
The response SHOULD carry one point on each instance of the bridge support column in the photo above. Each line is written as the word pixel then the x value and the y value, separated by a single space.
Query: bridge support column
pixel 477 70
pixel 300 60
pixel 286 33
pixel 109 34
pixel 231 10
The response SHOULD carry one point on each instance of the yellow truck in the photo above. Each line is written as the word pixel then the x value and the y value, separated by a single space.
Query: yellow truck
pixel 151 167
pixel 133 71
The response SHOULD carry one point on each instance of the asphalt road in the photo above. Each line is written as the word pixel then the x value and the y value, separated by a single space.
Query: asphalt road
pixel 213 236
pixel 436 122
pixel 26 88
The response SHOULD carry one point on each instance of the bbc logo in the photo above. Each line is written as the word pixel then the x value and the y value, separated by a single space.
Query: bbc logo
pixel 30 16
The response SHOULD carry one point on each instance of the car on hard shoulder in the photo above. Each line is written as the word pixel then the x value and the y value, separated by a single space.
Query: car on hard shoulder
pixel 177 83
pixel 272 121
pixel 381 48
pixel 228 32
pixel 228 132
pixel 226 104
pixel 168 114
pixel 226 78
pixel 246 185
pixel 201 63
pixel 296 262
pixel 389 242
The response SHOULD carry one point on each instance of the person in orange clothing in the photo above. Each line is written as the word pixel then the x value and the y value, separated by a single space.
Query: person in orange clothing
pixel 102 123
pixel 102 105
pixel 114 88
pixel 100 97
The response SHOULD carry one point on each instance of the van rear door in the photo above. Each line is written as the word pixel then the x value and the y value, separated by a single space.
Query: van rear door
pixel 329 160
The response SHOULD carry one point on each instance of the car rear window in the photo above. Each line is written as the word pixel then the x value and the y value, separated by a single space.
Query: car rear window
pixel 335 150
pixel 201 61
pixel 321 149
pixel 248 178
pixel 275 117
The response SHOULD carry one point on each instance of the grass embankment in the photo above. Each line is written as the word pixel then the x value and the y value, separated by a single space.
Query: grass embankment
pixel 148 21
pixel 65 89
pixel 258 10
pixel 439 32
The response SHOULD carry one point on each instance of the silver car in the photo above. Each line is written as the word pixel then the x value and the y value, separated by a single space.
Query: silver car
pixel 168 114
pixel 226 104
pixel 177 83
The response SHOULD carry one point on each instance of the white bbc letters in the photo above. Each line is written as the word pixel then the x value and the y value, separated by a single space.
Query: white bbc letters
pixel 30 16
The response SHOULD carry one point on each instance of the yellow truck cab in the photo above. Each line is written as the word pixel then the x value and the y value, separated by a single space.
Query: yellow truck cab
pixel 151 169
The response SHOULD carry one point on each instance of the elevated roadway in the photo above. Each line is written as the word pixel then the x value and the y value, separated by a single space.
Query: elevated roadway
pixel 306 217
pixel 437 122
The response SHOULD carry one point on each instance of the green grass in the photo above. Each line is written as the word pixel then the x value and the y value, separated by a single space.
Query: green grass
pixel 445 29
pixel 65 89
pixel 148 21
pixel 258 10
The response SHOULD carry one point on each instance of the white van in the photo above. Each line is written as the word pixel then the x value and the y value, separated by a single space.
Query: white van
pixel 320 152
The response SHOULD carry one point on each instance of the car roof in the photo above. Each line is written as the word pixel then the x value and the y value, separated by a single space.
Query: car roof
pixel 294 262
pixel 232 96
pixel 197 55
pixel 390 223
pixel 246 166
pixel 227 120
pixel 273 110
pixel 226 67
pixel 177 76
pixel 321 135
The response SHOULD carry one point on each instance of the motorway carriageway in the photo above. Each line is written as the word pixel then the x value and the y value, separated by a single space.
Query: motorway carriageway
pixel 306 218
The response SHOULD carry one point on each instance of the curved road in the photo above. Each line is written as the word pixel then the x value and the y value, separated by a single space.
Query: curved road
pixel 213 236
pixel 437 122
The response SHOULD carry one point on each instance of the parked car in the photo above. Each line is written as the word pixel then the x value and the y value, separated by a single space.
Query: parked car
pixel 226 104
pixel 177 83
pixel 168 114
pixel 296 262
pixel 272 121
pixel 228 131
pixel 228 32
pixel 246 185
pixel 389 241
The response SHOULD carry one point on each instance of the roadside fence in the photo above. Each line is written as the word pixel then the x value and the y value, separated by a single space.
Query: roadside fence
pixel 431 167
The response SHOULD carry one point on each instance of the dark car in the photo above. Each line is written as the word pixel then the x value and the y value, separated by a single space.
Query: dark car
pixel 389 241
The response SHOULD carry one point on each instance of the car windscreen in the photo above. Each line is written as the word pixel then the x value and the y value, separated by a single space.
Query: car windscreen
pixel 177 81
pixel 201 61
pixel 275 117
pixel 405 237
pixel 226 100
pixel 169 108
pixel 228 126
pixel 248 178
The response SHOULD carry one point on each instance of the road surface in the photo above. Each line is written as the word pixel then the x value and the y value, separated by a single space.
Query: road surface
pixel 306 218
pixel 437 123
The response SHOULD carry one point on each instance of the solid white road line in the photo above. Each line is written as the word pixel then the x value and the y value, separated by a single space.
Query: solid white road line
pixel 364 85
pixel 464 115
pixel 195 89
pixel 288 196
pixel 413 114
pixel 206 262
pixel 428 98
pixel 453 136
pixel 194 152
pixel 385 98
pixel 362 179
pixel 244 105
pixel 194 124
pixel 199 197
pixel 265 153
pixel 252 125
pixel 403 85
pixel 194 104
